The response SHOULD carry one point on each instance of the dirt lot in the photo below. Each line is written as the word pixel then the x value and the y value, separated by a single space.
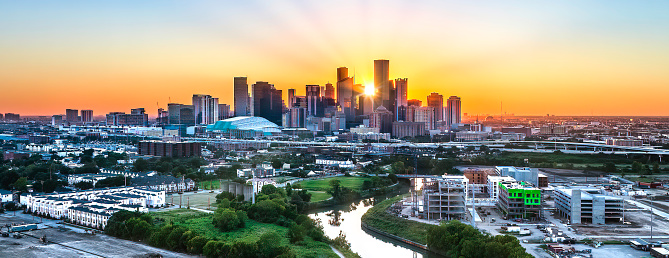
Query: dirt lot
pixel 67 243
pixel 200 200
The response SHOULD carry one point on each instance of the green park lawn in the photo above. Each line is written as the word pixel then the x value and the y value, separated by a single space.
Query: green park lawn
pixel 317 196
pixel 354 183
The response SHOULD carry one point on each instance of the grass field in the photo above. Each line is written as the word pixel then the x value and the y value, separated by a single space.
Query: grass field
pixel 354 183
pixel 209 185
pixel 201 223
pixel 196 200
pixel 317 196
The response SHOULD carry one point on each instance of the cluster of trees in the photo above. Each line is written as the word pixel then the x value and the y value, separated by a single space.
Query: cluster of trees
pixel 268 246
pixel 141 227
pixel 455 239
pixel 33 170
pixel 341 194
pixel 227 218
pixel 375 182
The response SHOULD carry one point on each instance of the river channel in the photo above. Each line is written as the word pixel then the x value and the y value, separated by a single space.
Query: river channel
pixel 346 218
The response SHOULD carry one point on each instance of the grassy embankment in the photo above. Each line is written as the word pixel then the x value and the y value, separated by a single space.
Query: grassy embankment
pixel 378 218
pixel 201 223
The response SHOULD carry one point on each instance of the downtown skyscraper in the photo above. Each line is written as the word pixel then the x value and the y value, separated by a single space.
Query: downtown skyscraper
pixel 241 94
pixel 346 93
pixel 453 111
pixel 401 102
pixel 267 102
pixel 205 109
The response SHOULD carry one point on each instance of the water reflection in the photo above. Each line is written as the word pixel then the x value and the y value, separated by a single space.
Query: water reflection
pixel 346 219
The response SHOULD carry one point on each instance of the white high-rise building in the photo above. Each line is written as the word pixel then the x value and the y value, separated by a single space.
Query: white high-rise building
pixel 205 109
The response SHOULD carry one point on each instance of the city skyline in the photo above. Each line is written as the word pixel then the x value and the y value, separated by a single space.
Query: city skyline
pixel 538 59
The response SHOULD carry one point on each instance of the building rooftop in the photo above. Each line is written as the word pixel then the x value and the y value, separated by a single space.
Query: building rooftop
pixel 587 193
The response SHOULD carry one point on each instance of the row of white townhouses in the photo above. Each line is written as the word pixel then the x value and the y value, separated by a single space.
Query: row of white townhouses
pixel 92 208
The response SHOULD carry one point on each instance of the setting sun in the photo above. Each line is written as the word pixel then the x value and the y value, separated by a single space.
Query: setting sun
pixel 369 89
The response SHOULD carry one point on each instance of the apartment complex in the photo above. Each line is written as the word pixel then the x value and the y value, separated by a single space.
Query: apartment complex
pixel 170 149
pixel 445 198
pixel 92 208
pixel 588 205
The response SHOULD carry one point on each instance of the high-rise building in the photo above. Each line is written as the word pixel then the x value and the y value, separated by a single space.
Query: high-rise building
pixel 205 109
pixel 267 102
pixel 347 97
pixel 381 118
pixel 329 96
pixel 137 117
pixel 436 101
pixel 56 120
pixel 223 111
pixel 453 111
pixel 72 115
pixel 414 102
pixel 401 102
pixel 12 117
pixel 313 100
pixel 382 91
pixel 163 117
pixel 180 114
pixel 298 117
pixel 87 116
pixel 241 97
pixel 425 115
pixel 291 98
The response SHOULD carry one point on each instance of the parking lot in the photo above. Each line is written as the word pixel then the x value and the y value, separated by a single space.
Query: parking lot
pixel 66 241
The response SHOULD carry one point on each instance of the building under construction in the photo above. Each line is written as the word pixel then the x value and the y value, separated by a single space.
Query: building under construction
pixel 445 198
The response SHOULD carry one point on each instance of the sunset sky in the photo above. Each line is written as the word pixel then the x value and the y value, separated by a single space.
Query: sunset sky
pixel 537 57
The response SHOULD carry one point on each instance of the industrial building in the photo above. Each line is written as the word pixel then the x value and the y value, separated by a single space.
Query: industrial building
pixel 588 205
pixel 519 200
pixel 525 174
pixel 445 198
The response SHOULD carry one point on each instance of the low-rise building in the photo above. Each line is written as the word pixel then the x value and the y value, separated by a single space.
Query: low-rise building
pixel 588 205
pixel 492 186
pixel 519 200
pixel 5 196
pixel 92 208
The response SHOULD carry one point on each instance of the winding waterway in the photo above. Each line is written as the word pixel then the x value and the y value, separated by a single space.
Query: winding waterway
pixel 346 218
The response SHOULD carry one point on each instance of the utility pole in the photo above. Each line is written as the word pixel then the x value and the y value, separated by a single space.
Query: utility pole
pixel 651 217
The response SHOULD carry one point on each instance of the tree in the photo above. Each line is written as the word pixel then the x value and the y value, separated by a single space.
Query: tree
pixel 637 167
pixel 266 211
pixel 142 230
pixel 196 244
pixel 277 164
pixel 227 220
pixel 173 241
pixel 21 184
pixel 295 233
pixel 610 167
pixel 140 165
pixel 269 245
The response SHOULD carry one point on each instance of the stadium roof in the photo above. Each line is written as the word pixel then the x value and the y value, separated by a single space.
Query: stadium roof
pixel 253 123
